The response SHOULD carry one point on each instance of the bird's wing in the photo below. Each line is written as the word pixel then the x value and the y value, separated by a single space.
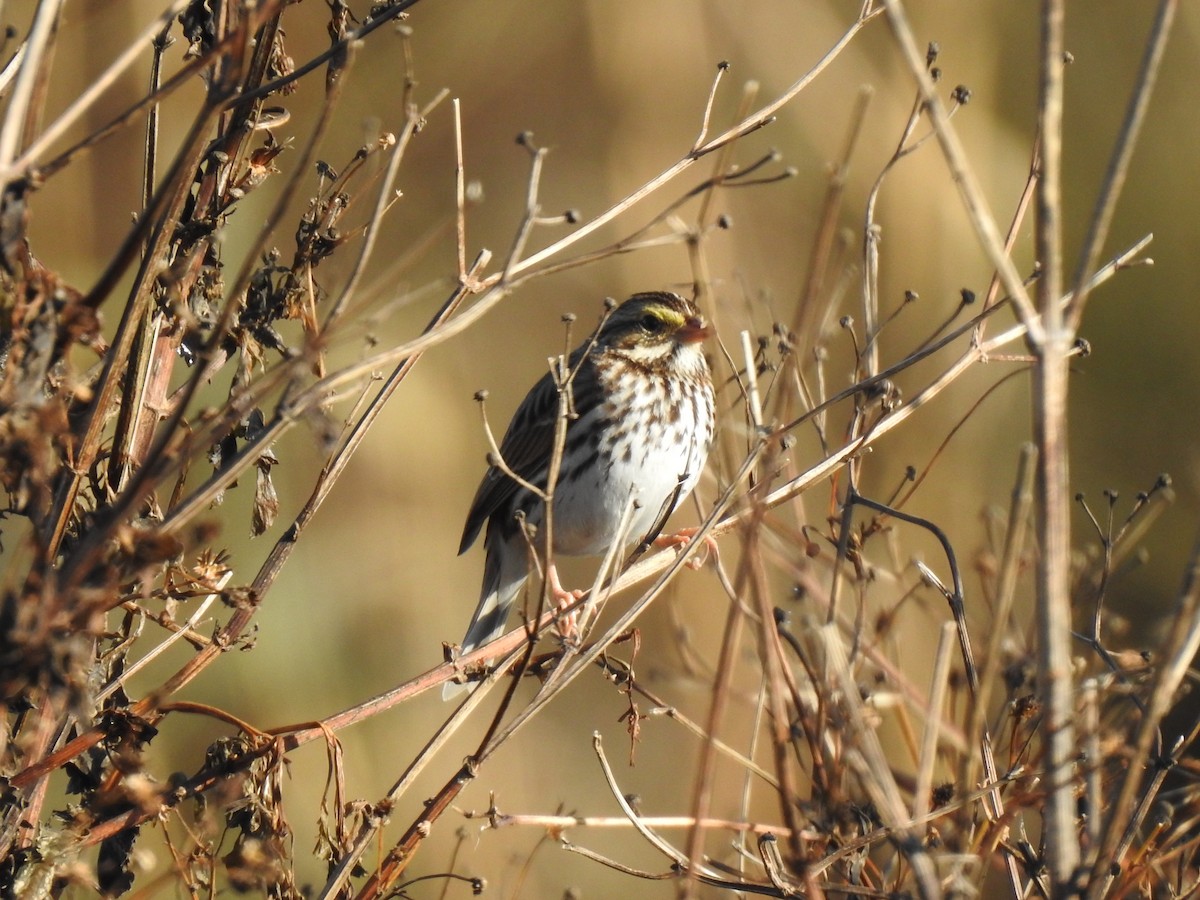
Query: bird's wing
pixel 525 450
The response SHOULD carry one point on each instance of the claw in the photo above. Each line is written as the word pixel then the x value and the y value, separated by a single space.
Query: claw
pixel 567 623
pixel 682 538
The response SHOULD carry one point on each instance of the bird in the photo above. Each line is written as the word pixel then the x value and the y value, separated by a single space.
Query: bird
pixel 640 426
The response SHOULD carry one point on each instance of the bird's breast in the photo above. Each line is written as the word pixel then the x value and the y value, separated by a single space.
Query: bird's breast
pixel 647 444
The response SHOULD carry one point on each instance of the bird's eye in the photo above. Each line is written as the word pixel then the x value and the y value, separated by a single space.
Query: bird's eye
pixel 651 324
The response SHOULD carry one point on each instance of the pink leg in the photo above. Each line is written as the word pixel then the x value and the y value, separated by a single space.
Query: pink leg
pixel 682 538
pixel 567 624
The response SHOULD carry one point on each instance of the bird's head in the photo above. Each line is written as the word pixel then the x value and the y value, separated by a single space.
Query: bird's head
pixel 653 328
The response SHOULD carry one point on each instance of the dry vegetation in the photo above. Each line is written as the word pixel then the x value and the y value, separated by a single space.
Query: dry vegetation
pixel 1031 762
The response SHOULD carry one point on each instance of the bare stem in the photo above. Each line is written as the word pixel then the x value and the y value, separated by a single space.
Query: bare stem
pixel 1052 347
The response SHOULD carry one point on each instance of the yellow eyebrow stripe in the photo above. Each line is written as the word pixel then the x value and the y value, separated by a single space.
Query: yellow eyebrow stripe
pixel 668 315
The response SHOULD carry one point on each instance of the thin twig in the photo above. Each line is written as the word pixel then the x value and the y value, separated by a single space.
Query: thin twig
pixel 1118 164
pixel 867 758
pixel 12 131
pixel 1181 648
pixel 933 721
pixel 964 176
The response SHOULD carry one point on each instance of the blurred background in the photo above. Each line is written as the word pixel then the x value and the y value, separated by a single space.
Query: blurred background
pixel 616 90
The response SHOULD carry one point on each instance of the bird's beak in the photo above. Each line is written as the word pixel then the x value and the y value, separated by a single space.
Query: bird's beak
pixel 694 330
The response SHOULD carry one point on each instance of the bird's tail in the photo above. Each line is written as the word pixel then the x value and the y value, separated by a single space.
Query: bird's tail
pixel 504 574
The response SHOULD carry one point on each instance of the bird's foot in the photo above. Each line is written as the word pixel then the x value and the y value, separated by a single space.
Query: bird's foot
pixel 567 622
pixel 682 538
